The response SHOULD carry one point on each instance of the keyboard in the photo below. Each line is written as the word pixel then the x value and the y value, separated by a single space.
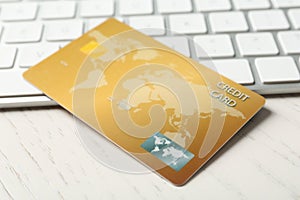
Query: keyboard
pixel 254 42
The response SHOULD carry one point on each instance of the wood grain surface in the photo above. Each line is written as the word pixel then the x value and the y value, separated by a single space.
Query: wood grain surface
pixel 41 157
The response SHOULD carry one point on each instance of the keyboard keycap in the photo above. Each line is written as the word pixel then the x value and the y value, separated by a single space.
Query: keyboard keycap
pixel 151 25
pixel 58 10
pixel 188 23
pixel 277 69
pixel 93 22
pixel 177 43
pixel 135 7
pixel 265 20
pixel 18 12
pixel 12 83
pixel 23 32
pixel 294 15
pixel 174 6
pixel 63 30
pixel 237 70
pixel 7 56
pixel 97 8
pixel 228 22
pixel 0 30
pixel 256 44
pixel 251 4
pixel 286 3
pixel 290 41
pixel 213 46
pixel 33 54
pixel 212 5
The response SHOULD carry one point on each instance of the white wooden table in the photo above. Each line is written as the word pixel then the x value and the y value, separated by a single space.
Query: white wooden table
pixel 41 157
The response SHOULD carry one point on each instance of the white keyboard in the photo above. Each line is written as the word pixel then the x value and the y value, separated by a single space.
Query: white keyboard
pixel 254 42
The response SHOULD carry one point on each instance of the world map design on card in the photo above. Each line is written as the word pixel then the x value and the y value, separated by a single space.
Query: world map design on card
pixel 166 110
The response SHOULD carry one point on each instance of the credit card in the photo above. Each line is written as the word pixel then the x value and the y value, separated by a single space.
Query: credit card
pixel 166 110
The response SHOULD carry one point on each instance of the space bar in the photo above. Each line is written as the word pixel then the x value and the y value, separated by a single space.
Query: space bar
pixel 12 83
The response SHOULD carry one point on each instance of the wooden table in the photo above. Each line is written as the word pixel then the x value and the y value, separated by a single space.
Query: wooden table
pixel 41 157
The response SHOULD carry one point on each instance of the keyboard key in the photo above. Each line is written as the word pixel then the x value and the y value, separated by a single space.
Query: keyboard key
pixel 12 83
pixel 188 23
pixel 212 5
pixel 251 4
pixel 58 10
pixel 256 44
pixel 0 30
pixel 64 30
pixel 135 7
pixel 213 46
pixel 290 41
pixel 228 22
pixel 97 8
pixel 23 32
pixel 286 3
pixel 266 20
pixel 174 6
pixel 151 25
pixel 277 69
pixel 93 22
pixel 7 56
pixel 33 54
pixel 237 70
pixel 177 43
pixel 18 12
pixel 294 15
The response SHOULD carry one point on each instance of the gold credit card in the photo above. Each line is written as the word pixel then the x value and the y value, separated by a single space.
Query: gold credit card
pixel 164 109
